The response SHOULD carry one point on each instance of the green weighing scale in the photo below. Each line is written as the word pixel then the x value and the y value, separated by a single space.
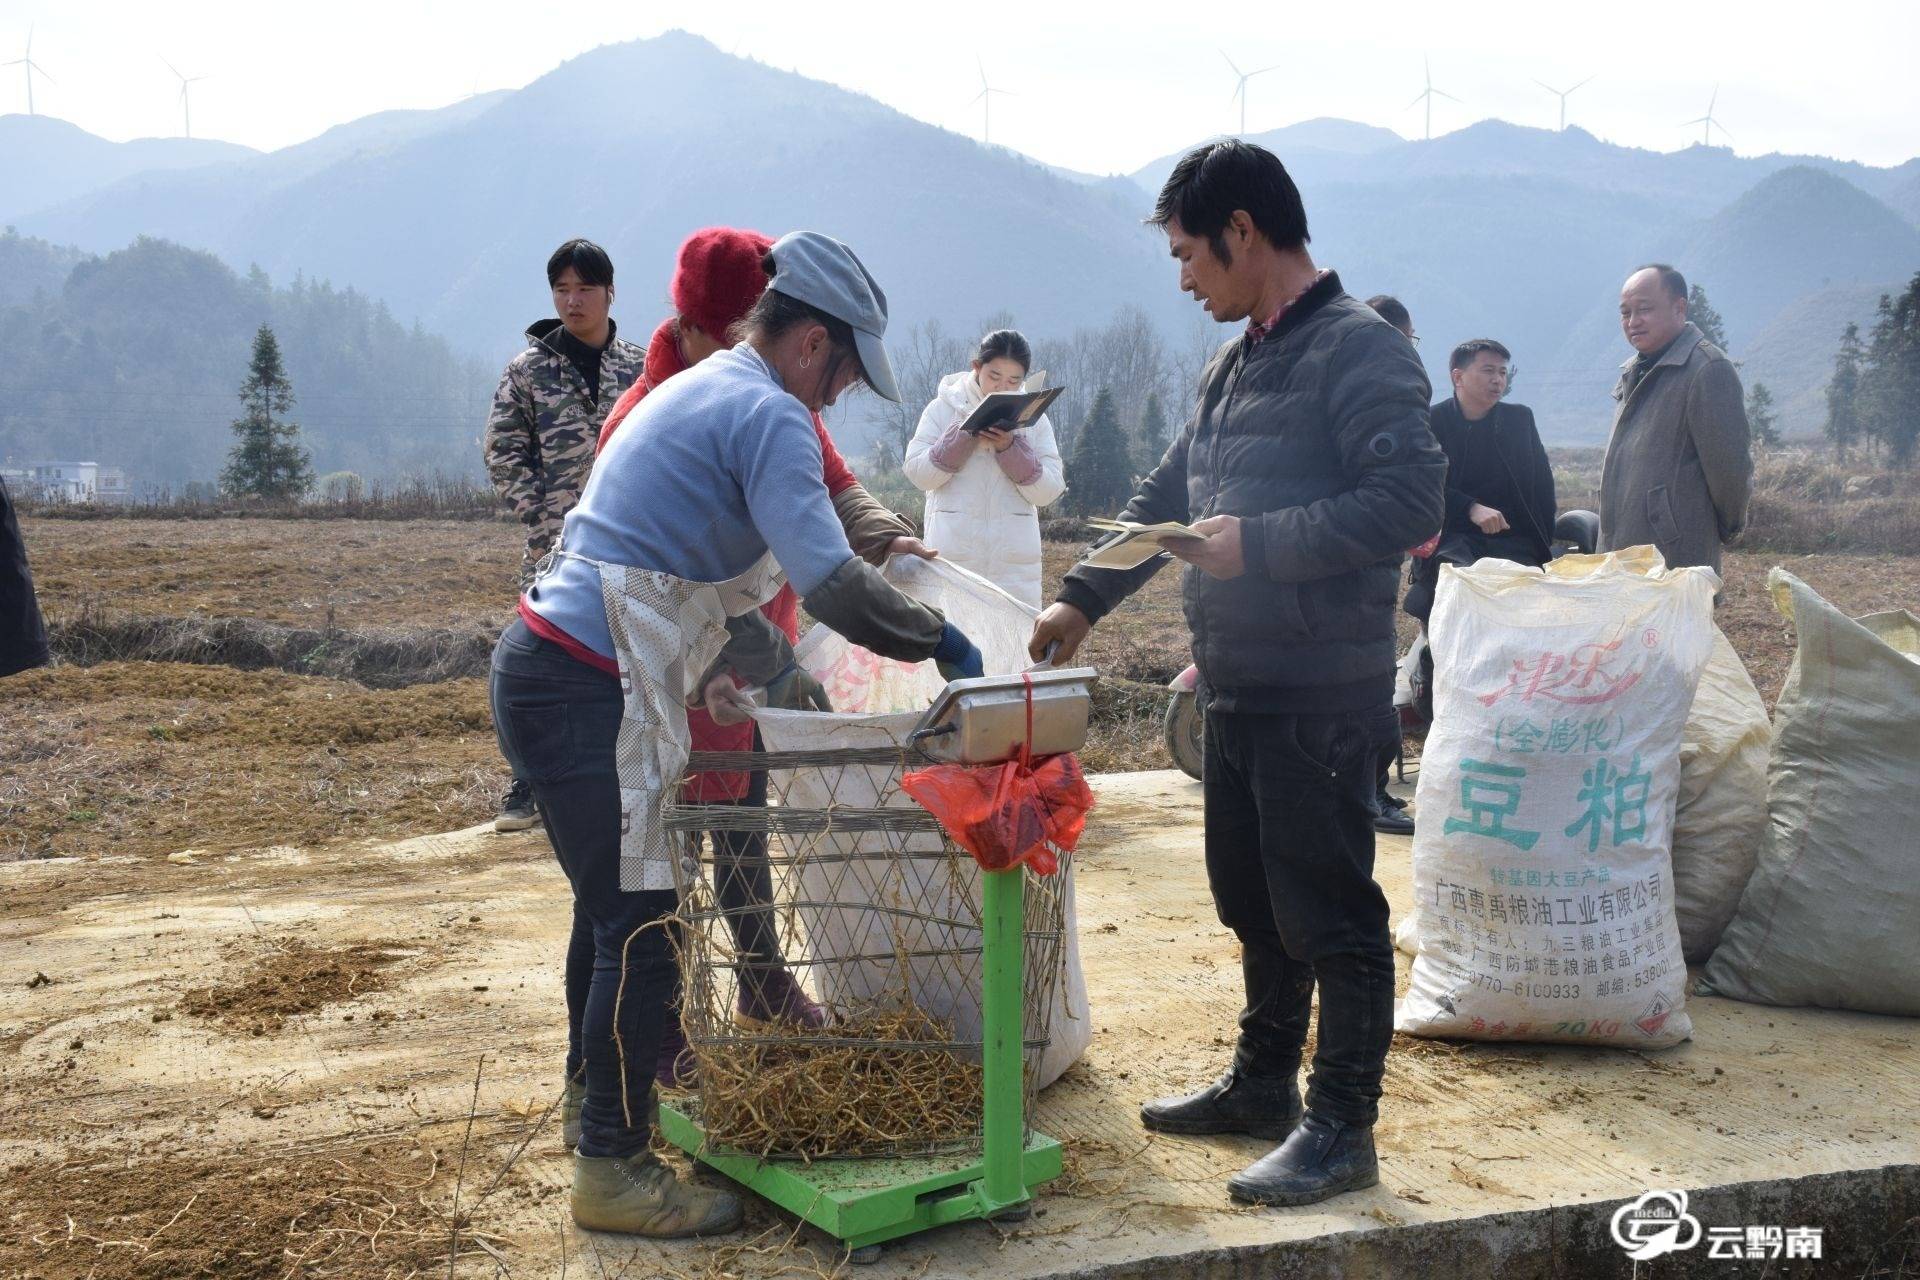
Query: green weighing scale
pixel 864 1203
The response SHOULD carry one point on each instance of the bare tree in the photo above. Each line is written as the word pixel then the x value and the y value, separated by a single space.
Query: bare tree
pixel 1127 356
pixel 926 355
pixel 1189 359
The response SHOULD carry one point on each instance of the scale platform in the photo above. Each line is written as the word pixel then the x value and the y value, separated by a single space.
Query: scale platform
pixel 864 1203
pixel 868 1202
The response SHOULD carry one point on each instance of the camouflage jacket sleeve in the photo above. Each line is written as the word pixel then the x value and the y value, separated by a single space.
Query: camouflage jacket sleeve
pixel 513 446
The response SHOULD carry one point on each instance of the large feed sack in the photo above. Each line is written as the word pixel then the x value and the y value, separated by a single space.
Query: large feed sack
pixel 1543 888
pixel 860 680
pixel 877 704
pixel 1722 814
pixel 1831 916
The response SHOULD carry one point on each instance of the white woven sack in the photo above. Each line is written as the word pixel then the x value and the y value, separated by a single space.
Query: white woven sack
pixel 877 702
pixel 1543 887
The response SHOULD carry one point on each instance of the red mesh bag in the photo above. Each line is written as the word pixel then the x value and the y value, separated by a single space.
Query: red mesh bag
pixel 1010 813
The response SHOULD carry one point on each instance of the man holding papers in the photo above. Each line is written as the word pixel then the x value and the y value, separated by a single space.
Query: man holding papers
pixel 1305 469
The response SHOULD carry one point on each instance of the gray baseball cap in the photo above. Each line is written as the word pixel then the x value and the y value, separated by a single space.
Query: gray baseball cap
pixel 823 273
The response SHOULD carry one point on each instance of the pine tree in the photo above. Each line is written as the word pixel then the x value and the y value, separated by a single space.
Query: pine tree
pixel 1843 394
pixel 268 461
pixel 1762 427
pixel 1099 472
pixel 1151 437
pixel 1890 382
pixel 1701 312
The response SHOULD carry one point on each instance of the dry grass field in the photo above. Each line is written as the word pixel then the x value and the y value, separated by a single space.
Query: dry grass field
pixel 237 683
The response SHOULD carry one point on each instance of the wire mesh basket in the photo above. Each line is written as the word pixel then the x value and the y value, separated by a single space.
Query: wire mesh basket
pixel 831 962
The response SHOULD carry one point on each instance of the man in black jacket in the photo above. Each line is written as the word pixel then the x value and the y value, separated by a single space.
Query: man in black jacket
pixel 1307 467
pixel 1500 499
pixel 23 634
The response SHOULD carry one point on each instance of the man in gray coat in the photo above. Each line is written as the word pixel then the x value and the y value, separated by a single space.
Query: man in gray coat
pixel 1679 470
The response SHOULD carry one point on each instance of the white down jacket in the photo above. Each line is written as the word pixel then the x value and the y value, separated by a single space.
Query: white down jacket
pixel 977 516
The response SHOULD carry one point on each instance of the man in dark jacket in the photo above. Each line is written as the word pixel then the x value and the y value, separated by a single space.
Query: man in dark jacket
pixel 1500 500
pixel 1306 468
pixel 23 633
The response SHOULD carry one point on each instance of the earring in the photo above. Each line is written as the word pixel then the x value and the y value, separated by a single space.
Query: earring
pixel 806 362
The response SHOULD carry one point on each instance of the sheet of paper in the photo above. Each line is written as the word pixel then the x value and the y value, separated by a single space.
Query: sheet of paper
pixel 1166 528
pixel 1132 544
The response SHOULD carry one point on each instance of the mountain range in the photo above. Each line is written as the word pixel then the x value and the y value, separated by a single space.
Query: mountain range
pixel 135 360
pixel 1524 234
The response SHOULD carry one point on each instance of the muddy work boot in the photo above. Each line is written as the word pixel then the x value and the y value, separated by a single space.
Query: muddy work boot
pixel 518 812
pixel 1263 1106
pixel 1322 1159
pixel 777 997
pixel 641 1196
pixel 572 1098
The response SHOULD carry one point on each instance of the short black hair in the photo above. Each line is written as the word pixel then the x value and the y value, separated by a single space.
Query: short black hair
pixel 1210 182
pixel 588 260
pixel 1008 343
pixel 1670 278
pixel 1469 351
pixel 1392 310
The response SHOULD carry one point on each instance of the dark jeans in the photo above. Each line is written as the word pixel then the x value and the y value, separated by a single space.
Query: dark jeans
pixel 1388 754
pixel 556 718
pixel 1289 808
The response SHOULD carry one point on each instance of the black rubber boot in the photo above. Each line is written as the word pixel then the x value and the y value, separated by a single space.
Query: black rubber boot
pixel 1322 1159
pixel 1263 1106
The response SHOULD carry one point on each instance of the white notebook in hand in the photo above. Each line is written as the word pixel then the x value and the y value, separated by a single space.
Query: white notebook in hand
pixel 1129 545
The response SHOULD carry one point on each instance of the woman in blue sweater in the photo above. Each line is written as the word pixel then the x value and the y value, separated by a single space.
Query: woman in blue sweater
pixel 708 499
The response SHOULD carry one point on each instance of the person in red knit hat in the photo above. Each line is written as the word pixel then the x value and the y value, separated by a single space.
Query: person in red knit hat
pixel 718 276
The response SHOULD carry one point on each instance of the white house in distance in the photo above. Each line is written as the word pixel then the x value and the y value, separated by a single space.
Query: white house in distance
pixel 73 482
pixel 68 482
pixel 63 481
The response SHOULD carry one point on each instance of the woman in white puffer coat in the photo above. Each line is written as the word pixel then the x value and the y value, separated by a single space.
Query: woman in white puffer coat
pixel 984 492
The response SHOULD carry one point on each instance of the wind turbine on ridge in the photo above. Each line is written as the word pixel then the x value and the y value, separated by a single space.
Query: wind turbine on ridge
pixel 1708 123
pixel 1563 95
pixel 1428 94
pixel 1240 88
pixel 186 108
pixel 985 99
pixel 30 67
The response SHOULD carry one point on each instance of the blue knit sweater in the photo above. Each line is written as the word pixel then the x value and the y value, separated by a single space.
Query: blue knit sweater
pixel 713 468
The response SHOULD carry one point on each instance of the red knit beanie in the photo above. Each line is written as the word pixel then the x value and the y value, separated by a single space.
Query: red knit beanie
pixel 718 277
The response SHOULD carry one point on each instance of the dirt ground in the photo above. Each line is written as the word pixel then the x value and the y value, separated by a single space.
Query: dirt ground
pixel 152 758
pixel 315 1063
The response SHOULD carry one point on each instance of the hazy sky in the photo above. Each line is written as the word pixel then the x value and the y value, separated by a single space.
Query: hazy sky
pixel 1096 86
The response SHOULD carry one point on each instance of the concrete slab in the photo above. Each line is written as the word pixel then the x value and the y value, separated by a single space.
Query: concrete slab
pixel 1492 1157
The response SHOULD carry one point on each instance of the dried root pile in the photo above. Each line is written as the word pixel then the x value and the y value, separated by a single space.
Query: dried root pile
pixel 879 1083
